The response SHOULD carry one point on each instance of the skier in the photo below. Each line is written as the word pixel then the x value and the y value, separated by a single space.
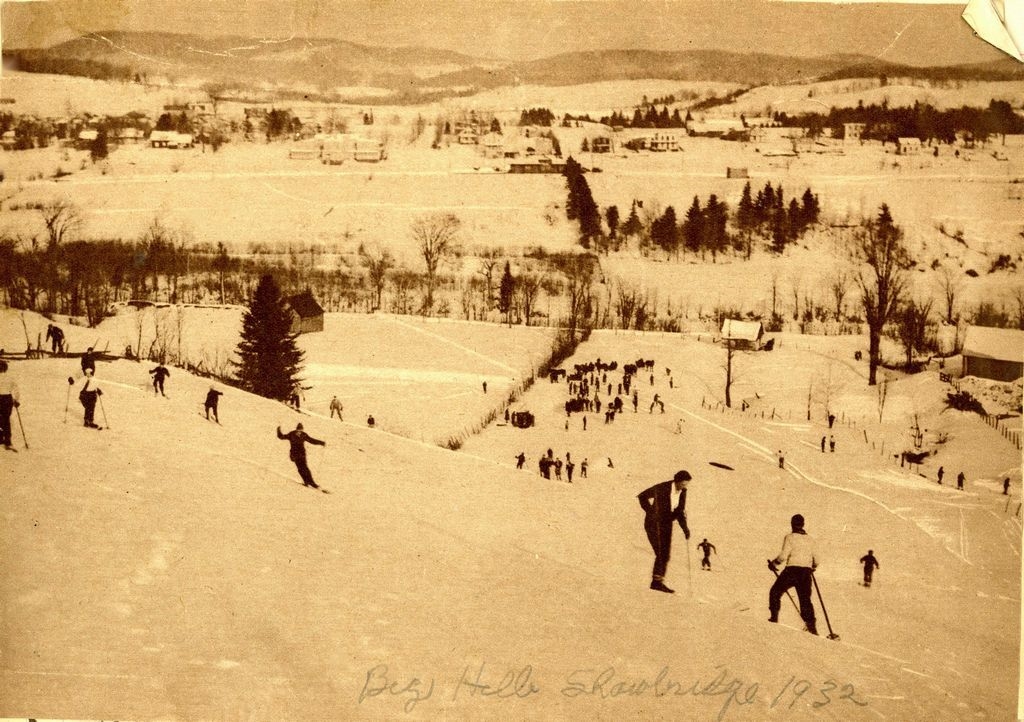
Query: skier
pixel 8 402
pixel 960 481
pixel 706 547
pixel 336 407
pixel 583 468
pixel 798 556
pixel 88 396
pixel 297 452
pixel 940 474
pixel 159 374
pixel 485 387
pixel 558 469
pixel 636 401
pixel 520 460
pixel 831 420
pixel 569 467
pixel 831 444
pixel 56 338
pixel 870 563
pixel 88 361
pixel 212 397
pixel 370 421
pixel 823 444
pixel 1006 486
pixel 664 503
pixel 584 423
pixel 782 460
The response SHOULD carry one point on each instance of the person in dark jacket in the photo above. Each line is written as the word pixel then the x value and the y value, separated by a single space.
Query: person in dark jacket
pixel 799 558
pixel 9 400
pixel 212 397
pixel 55 335
pixel 159 374
pixel 706 547
pixel 88 361
pixel 661 509
pixel 870 564
pixel 88 396
pixel 298 439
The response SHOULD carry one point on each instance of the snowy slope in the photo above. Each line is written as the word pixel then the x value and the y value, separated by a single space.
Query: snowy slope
pixel 171 568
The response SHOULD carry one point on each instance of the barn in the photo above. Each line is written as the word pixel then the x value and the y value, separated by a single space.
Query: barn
pixel 307 314
pixel 746 335
pixel 994 353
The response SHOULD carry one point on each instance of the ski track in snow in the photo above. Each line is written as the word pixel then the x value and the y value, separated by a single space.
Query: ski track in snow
pixel 797 472
pixel 456 344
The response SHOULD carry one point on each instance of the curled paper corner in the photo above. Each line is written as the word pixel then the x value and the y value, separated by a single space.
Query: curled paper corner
pixel 1000 23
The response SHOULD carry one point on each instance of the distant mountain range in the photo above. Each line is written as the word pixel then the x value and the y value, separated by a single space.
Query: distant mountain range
pixel 320 65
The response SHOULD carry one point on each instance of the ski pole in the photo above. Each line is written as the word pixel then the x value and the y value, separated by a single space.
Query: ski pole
pixel 20 426
pixel 67 402
pixel 831 634
pixel 104 412
pixel 689 572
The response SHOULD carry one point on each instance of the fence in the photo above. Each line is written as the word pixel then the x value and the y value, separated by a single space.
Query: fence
pixel 1010 435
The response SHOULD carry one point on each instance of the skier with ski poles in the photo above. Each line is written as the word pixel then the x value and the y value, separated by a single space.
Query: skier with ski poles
pixel 88 395
pixel 8 402
pixel 297 453
pixel 664 503
pixel 798 556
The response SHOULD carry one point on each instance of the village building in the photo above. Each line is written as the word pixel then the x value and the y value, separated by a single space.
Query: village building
pixel 909 146
pixel 601 144
pixel 852 132
pixel 536 165
pixel 492 145
pixel 993 353
pixel 744 335
pixel 307 315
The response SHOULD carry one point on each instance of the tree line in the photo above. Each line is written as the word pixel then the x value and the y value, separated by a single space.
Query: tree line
pixel 921 121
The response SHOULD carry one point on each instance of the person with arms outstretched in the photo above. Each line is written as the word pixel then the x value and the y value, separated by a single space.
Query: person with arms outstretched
pixel 297 453
pixel 159 374
pixel 707 548
pixel 663 504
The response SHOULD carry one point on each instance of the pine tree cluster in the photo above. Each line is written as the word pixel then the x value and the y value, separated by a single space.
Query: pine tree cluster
pixel 580 205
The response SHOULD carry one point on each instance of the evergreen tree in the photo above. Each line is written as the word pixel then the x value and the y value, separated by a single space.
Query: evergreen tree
pixel 611 216
pixel 715 218
pixel 505 291
pixel 633 225
pixel 665 231
pixel 794 219
pixel 589 213
pixel 269 360
pixel 745 211
pixel 693 227
pixel 811 208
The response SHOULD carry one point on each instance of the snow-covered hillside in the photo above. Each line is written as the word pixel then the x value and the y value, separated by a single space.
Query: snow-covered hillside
pixel 171 568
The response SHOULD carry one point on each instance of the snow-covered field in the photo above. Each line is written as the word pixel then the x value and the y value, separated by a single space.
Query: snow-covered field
pixel 171 568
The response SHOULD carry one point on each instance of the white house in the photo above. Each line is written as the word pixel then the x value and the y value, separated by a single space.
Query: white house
pixel 744 334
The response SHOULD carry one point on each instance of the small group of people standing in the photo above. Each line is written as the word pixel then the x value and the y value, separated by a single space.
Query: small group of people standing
pixel 550 465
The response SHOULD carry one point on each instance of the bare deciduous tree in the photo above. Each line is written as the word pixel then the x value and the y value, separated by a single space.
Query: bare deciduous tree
pixel 838 286
pixel 950 284
pixel 912 326
pixel 436 236
pixel 378 263
pixel 527 292
pixel 62 219
pixel 878 245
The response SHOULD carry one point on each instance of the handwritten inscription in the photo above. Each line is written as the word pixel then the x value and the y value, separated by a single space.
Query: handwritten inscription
pixel 483 682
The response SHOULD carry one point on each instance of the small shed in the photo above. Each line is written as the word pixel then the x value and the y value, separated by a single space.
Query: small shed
pixel 307 314
pixel 994 353
pixel 909 146
pixel 745 335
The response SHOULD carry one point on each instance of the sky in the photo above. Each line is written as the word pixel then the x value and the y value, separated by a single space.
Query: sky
pixel 918 34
